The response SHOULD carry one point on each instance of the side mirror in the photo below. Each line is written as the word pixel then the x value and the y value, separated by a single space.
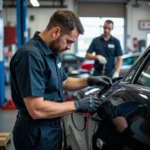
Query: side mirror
pixel 116 79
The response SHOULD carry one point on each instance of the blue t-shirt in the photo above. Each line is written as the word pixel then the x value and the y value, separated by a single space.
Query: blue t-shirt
pixel 109 49
pixel 36 71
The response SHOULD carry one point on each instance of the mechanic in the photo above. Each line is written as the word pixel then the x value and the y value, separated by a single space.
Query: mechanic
pixel 38 81
pixel 106 49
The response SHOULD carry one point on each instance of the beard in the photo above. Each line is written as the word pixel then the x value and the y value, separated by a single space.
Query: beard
pixel 55 47
pixel 106 33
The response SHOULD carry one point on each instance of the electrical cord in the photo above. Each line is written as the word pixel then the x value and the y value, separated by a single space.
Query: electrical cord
pixel 85 120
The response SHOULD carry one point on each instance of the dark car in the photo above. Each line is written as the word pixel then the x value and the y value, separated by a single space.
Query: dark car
pixel 71 61
pixel 131 94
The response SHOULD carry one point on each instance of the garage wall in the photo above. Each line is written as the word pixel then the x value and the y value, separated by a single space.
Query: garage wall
pixel 103 9
pixel 134 15
pixel 41 15
pixel 100 9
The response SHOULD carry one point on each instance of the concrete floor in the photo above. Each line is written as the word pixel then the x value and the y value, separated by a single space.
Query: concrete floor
pixel 7 120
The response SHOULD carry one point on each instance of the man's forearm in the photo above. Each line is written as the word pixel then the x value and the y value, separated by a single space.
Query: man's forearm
pixel 90 56
pixel 73 84
pixel 53 109
pixel 118 65
pixel 39 108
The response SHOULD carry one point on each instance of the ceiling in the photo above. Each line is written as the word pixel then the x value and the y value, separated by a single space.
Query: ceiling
pixel 116 1
pixel 62 4
pixel 43 3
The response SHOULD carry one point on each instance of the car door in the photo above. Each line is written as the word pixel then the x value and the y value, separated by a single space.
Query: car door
pixel 132 97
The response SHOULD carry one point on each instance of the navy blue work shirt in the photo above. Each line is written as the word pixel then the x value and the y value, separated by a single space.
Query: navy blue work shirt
pixel 109 49
pixel 36 71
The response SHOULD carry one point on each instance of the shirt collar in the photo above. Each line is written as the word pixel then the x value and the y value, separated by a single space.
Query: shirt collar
pixel 111 37
pixel 42 44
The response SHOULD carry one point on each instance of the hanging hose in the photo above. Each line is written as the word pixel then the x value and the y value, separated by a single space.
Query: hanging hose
pixel 85 120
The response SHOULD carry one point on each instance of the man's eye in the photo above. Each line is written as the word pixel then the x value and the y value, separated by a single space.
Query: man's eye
pixel 107 28
pixel 69 42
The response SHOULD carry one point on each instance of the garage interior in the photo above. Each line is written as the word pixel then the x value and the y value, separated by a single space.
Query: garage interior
pixel 19 22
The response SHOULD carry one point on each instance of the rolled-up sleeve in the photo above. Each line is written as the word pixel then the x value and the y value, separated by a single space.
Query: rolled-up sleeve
pixel 30 75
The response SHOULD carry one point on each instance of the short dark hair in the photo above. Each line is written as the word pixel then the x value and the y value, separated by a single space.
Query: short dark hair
pixel 66 20
pixel 109 22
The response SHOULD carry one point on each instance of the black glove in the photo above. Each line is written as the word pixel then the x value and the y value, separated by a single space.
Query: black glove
pixel 107 111
pixel 99 80
pixel 87 105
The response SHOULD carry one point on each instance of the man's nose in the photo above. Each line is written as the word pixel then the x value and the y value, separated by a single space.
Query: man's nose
pixel 68 47
pixel 106 30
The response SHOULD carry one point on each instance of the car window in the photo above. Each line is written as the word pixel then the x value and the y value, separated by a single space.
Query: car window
pixel 144 78
pixel 130 60
pixel 133 71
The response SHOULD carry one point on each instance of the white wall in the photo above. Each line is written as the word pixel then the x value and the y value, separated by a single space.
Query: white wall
pixel 134 15
pixel 9 16
pixel 42 16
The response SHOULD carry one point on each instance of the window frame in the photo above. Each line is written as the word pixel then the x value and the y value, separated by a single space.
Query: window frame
pixel 139 62
pixel 146 61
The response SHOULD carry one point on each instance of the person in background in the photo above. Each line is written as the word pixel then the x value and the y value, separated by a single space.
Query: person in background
pixel 106 49
pixel 38 81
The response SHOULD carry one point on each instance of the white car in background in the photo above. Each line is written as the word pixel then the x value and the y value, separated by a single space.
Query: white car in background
pixel 127 62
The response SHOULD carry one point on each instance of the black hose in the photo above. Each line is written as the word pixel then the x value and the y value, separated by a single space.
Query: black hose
pixel 85 120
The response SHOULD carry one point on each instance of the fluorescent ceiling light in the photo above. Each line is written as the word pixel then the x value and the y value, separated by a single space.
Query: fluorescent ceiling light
pixel 35 3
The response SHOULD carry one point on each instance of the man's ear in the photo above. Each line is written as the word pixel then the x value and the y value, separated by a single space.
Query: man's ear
pixel 56 32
